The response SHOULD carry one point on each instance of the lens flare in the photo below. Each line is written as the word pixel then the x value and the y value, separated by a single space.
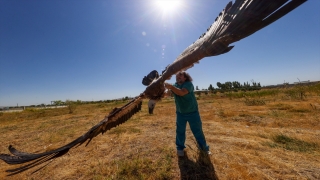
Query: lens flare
pixel 168 5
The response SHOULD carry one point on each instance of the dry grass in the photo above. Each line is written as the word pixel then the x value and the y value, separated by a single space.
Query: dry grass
pixel 277 139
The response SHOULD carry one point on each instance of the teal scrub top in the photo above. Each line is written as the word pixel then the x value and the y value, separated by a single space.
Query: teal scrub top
pixel 187 103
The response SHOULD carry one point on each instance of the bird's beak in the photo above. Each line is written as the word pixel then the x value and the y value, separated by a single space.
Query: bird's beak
pixel 151 105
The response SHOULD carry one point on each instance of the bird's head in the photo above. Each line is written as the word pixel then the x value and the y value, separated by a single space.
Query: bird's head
pixel 151 105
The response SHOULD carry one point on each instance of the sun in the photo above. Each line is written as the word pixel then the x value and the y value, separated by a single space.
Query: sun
pixel 168 6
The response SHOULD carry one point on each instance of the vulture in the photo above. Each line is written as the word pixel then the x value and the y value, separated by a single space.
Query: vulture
pixel 236 21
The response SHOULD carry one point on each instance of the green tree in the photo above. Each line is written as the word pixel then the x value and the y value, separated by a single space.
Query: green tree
pixel 219 85
pixel 228 85
pixel 236 84
pixel 210 88
pixel 57 102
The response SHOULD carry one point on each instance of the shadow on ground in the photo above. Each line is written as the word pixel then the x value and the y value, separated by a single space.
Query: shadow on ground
pixel 202 169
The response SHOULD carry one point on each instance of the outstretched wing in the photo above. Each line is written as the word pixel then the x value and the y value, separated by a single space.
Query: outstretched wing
pixel 116 117
pixel 235 22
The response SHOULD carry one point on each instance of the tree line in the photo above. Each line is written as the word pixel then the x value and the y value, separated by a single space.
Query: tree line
pixel 61 103
pixel 233 86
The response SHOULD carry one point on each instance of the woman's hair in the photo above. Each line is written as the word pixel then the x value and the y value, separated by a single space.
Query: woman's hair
pixel 186 75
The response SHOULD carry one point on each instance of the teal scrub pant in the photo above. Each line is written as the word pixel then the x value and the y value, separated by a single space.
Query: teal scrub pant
pixel 195 124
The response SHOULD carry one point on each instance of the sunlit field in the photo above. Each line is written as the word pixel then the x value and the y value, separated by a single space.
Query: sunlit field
pixel 266 134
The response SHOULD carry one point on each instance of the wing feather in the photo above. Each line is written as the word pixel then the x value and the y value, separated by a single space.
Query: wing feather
pixel 235 22
pixel 116 117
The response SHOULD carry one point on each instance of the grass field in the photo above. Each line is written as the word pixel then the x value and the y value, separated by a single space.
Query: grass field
pixel 266 134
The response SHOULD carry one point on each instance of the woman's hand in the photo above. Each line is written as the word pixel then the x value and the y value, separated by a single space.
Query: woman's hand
pixel 168 86
pixel 175 90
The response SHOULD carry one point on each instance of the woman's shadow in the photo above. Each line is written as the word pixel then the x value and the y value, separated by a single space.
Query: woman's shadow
pixel 201 169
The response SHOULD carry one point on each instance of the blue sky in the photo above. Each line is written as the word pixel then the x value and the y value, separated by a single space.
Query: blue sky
pixel 101 49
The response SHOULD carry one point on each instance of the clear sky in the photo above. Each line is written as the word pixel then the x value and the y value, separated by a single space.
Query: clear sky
pixel 98 50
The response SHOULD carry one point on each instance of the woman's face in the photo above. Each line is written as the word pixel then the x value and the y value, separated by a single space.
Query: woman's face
pixel 180 78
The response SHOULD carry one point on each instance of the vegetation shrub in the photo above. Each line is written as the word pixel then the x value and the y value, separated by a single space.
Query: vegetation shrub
pixel 254 102
pixel 293 144
pixel 298 93
pixel 71 106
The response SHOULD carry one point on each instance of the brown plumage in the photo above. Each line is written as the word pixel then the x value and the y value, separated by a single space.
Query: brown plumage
pixel 115 118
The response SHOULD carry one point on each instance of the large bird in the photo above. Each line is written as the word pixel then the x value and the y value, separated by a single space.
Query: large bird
pixel 236 21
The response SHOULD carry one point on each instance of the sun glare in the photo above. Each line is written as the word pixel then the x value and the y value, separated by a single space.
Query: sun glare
pixel 168 5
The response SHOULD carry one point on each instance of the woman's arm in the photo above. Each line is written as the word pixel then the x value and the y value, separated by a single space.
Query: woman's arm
pixel 175 90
